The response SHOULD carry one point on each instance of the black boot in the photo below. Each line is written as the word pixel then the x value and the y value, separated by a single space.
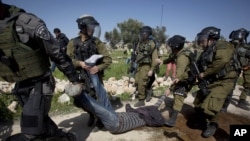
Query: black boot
pixel 172 120
pixel 149 93
pixel 243 104
pixel 139 103
pixel 211 129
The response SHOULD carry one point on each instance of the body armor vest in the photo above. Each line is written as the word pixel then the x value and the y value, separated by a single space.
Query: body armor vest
pixel 18 61
pixel 84 50
pixel 207 58
pixel 241 51
pixel 144 53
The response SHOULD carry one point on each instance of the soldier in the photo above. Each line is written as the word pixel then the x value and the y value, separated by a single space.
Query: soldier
pixel 216 64
pixel 146 55
pixel 239 40
pixel 26 47
pixel 181 84
pixel 63 41
pixel 83 47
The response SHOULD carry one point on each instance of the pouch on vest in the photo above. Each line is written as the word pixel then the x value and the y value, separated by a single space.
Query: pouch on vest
pixel 32 118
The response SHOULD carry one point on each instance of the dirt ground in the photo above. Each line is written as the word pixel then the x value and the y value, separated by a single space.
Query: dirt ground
pixel 77 122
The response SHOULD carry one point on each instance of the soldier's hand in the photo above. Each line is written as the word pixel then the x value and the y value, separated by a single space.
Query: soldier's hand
pixel 159 61
pixel 176 80
pixel 84 66
pixel 201 75
pixel 94 70
pixel 167 92
pixel 150 73
pixel 73 89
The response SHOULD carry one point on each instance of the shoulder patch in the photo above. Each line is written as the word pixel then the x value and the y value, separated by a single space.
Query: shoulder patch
pixel 42 32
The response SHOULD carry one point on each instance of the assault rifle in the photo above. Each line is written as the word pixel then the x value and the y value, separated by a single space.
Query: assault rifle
pixel 202 83
pixel 85 76
pixel 132 68
pixel 170 59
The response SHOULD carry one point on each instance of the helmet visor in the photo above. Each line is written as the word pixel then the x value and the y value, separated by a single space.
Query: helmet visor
pixel 94 30
pixel 200 38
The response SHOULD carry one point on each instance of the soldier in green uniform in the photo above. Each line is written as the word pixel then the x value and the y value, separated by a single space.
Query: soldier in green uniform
pixel 146 63
pixel 26 47
pixel 82 48
pixel 216 64
pixel 239 41
pixel 244 53
pixel 181 84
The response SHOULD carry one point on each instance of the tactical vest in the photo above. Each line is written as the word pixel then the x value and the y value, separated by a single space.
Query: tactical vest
pixel 18 61
pixel 241 51
pixel 207 58
pixel 84 50
pixel 144 53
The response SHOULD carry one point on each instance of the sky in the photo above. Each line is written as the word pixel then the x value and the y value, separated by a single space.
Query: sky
pixel 182 17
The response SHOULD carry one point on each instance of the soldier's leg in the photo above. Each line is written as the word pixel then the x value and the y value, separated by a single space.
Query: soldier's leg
pixel 142 84
pixel 177 106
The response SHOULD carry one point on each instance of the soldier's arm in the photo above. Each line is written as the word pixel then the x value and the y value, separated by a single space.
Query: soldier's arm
pixel 154 56
pixel 222 57
pixel 107 60
pixel 70 53
pixel 182 63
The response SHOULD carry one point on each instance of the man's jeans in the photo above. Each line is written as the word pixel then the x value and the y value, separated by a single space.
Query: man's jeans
pixel 101 94
pixel 107 115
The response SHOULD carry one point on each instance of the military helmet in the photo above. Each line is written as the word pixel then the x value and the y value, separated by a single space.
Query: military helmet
pixel 240 34
pixel 88 22
pixel 210 32
pixel 176 42
pixel 145 32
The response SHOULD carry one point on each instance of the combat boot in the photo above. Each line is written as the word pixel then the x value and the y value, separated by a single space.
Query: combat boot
pixel 211 129
pixel 149 93
pixel 172 120
pixel 139 103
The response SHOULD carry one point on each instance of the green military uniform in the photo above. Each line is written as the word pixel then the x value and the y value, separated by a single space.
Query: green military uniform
pixel 217 71
pixel 246 72
pixel 100 49
pixel 145 59
pixel 183 61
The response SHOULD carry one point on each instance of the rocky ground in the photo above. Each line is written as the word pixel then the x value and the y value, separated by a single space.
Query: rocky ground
pixel 77 122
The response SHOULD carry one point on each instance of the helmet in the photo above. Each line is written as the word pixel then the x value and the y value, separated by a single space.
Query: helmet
pixel 210 32
pixel 88 23
pixel 176 42
pixel 145 32
pixel 240 34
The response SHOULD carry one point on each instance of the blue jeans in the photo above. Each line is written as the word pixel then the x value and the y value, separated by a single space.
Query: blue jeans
pixel 107 115
pixel 101 94
pixel 53 66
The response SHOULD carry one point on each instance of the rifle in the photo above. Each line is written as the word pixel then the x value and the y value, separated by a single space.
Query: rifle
pixel 202 84
pixel 132 68
pixel 170 59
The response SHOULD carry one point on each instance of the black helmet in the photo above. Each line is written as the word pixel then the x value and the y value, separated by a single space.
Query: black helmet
pixel 240 34
pixel 145 32
pixel 176 42
pixel 87 21
pixel 210 32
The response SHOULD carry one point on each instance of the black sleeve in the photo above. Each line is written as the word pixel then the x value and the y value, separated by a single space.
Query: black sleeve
pixel 36 29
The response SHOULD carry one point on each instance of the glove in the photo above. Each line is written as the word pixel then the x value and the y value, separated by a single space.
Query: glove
pixel 73 89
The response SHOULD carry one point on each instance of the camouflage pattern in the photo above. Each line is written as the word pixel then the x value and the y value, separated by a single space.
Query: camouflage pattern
pixel 219 87
pixel 144 66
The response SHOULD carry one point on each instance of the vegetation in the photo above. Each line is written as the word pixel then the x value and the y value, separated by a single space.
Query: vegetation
pixel 128 32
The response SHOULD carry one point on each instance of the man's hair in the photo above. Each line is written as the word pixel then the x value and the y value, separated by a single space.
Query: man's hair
pixel 57 30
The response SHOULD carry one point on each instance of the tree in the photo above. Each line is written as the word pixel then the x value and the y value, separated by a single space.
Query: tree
pixel 159 34
pixel 129 30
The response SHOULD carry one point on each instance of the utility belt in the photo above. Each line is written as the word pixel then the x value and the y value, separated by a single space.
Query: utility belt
pixel 23 87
